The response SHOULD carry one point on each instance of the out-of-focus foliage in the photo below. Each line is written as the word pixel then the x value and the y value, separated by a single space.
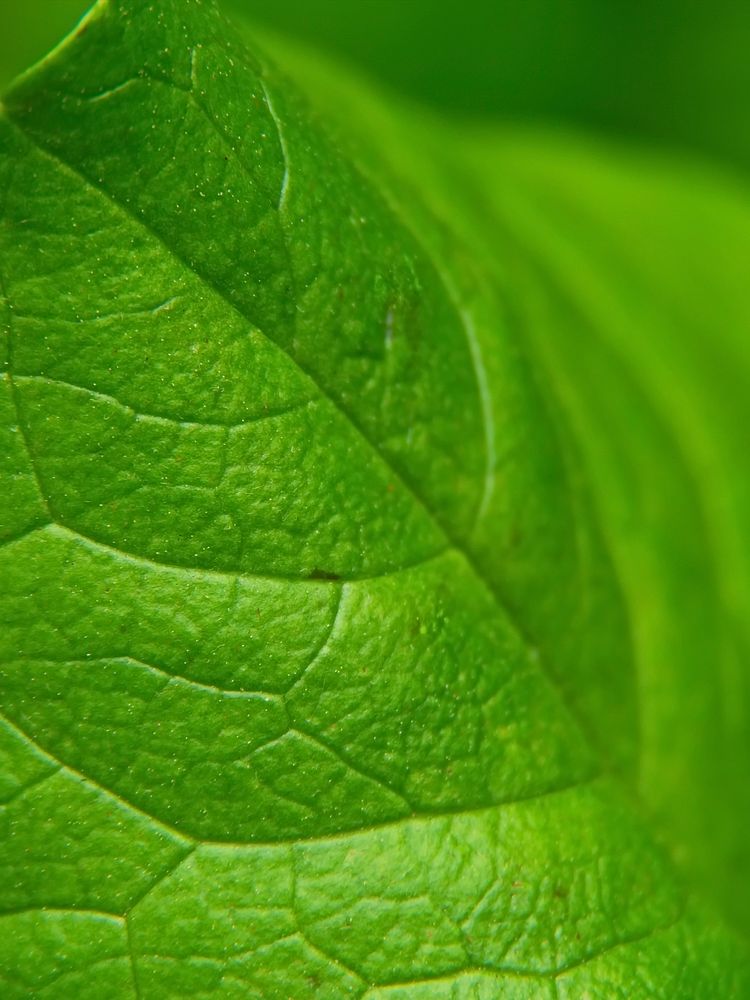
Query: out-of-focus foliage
pixel 673 71
pixel 29 30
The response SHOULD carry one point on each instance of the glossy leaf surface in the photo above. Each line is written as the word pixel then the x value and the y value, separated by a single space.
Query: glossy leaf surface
pixel 374 601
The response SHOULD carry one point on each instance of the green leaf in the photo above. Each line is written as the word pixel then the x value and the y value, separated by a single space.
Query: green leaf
pixel 373 599
pixel 673 73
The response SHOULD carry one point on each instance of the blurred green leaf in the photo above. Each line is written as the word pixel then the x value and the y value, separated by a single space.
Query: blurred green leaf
pixel 28 30
pixel 674 72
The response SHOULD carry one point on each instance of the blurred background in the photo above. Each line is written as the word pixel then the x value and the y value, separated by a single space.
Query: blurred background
pixel 672 72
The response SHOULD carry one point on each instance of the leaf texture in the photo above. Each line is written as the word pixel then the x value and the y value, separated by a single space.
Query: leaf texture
pixel 336 630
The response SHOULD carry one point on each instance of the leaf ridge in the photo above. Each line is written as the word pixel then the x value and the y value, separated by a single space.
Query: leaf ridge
pixel 432 515
pixel 139 414
pixel 94 544
pixel 423 814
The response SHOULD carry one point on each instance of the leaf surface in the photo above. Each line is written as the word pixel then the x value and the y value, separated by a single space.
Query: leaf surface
pixel 334 626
